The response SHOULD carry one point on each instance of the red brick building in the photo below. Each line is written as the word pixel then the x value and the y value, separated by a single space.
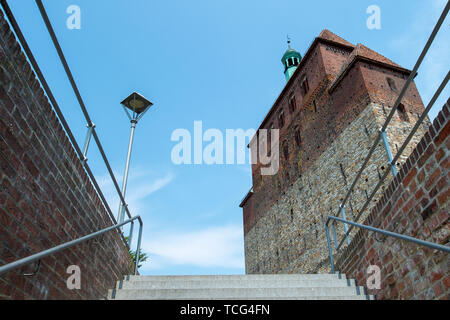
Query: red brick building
pixel 328 115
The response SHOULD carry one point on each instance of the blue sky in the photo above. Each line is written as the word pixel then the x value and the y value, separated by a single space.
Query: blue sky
pixel 214 61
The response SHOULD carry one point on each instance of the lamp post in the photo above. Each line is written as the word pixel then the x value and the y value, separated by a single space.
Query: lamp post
pixel 135 106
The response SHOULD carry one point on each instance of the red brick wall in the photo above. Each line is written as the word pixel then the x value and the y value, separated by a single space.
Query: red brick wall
pixel 46 198
pixel 333 57
pixel 415 204
pixel 375 79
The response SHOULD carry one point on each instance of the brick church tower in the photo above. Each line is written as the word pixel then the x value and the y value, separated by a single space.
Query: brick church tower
pixel 335 100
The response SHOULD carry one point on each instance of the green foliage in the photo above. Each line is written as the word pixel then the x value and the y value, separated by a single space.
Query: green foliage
pixel 142 255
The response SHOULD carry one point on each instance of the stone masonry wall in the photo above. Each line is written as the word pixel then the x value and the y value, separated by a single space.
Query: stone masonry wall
pixel 46 198
pixel 416 203
pixel 290 237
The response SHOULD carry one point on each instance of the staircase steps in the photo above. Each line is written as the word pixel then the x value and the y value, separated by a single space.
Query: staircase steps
pixel 239 287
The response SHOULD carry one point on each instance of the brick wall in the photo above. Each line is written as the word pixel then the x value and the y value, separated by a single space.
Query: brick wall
pixel 416 203
pixel 46 198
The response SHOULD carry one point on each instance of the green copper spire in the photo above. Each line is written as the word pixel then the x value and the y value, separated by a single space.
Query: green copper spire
pixel 290 60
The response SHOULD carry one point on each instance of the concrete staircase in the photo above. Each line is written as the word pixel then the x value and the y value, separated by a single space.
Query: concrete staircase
pixel 239 287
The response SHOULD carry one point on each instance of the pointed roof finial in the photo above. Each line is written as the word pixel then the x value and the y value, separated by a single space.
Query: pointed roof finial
pixel 288 41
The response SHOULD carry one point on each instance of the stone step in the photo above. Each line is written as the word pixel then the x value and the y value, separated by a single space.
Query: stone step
pixel 322 276
pixel 351 297
pixel 233 283
pixel 239 287
pixel 238 293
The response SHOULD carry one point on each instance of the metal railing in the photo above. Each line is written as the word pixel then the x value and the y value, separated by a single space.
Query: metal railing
pixel 382 135
pixel 91 126
pixel 81 154
pixel 40 255
pixel 91 131
pixel 370 228
pixel 428 244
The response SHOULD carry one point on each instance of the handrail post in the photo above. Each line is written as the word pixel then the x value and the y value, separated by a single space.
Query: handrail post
pixel 90 127
pixel 130 235
pixel 330 251
pixel 334 235
pixel 345 225
pixel 388 151
pixel 138 249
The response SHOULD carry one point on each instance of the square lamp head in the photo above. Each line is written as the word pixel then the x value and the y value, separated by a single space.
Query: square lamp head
pixel 136 102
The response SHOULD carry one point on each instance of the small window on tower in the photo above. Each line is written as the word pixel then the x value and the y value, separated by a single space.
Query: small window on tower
pixel 286 150
pixel 402 114
pixel 292 104
pixel 290 63
pixel 305 86
pixel 391 84
pixel 281 119
pixel 298 138
pixel 269 139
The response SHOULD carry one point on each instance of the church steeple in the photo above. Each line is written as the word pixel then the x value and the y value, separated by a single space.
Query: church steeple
pixel 290 60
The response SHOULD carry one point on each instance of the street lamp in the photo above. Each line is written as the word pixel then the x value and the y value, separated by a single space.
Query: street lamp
pixel 135 106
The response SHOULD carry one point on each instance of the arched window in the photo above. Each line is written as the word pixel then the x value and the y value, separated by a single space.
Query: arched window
pixel 286 150
pixel 298 138
pixel 281 119
pixel 402 114
pixel 292 104
pixel 304 85
pixel 290 63
pixel 391 84
pixel 269 139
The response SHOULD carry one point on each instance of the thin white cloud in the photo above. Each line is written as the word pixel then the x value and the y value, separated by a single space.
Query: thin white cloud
pixel 141 184
pixel 220 246
pixel 143 189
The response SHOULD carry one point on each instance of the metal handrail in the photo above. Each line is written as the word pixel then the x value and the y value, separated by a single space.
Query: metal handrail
pixel 80 99
pixel 428 244
pixel 57 109
pixel 399 152
pixel 81 156
pixel 387 121
pixel 45 253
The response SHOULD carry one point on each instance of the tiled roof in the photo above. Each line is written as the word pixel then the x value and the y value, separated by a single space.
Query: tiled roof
pixel 328 35
pixel 363 51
